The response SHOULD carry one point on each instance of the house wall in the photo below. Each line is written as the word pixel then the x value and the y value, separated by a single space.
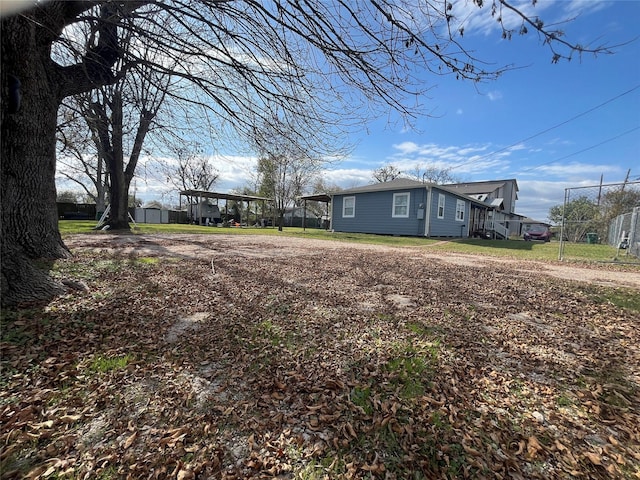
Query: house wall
pixel 508 194
pixel 373 213
pixel 448 226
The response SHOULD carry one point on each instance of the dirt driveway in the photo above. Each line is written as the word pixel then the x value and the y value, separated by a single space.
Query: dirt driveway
pixel 236 248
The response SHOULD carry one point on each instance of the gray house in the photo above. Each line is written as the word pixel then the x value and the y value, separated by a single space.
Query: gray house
pixel 408 207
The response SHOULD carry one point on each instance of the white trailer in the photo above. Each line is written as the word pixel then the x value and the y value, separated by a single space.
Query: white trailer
pixel 204 213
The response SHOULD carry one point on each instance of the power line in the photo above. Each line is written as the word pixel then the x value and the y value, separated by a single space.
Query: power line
pixel 583 150
pixel 549 129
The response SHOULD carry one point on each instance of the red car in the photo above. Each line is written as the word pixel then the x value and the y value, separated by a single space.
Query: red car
pixel 538 232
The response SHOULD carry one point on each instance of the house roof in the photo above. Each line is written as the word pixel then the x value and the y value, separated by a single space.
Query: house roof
pixel 403 184
pixel 492 202
pixel 395 184
pixel 473 188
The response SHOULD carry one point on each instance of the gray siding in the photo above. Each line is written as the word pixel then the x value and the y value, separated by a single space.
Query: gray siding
pixel 373 213
pixel 447 226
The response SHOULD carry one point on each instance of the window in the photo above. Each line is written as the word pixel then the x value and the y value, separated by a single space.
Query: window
pixel 460 208
pixel 349 207
pixel 440 205
pixel 400 205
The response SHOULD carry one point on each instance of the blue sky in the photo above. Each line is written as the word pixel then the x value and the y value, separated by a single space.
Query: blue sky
pixel 481 131
pixel 549 126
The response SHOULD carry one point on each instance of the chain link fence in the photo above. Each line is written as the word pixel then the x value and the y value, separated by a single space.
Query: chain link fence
pixel 601 223
pixel 624 232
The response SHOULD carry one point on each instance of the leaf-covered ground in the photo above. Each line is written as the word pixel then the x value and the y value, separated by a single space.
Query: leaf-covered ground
pixel 218 358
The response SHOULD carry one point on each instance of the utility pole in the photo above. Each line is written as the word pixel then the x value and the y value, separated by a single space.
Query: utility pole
pixel 600 189
pixel 626 180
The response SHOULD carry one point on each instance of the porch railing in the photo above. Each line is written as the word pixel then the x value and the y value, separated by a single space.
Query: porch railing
pixel 500 229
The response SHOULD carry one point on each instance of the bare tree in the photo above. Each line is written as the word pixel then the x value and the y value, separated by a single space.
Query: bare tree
pixel 386 173
pixel 432 174
pixel 189 169
pixel 78 160
pixel 241 56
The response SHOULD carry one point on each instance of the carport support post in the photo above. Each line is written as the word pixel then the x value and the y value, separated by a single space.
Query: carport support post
pixel 329 218
pixel 304 216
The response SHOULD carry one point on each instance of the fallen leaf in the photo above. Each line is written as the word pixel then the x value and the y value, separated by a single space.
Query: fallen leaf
pixel 594 458
pixel 533 447
pixel 130 439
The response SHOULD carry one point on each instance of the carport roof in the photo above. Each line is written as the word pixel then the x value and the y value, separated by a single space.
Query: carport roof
pixel 317 197
pixel 223 196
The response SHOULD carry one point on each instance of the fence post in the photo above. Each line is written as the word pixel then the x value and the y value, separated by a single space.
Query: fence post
pixel 634 233
pixel 562 224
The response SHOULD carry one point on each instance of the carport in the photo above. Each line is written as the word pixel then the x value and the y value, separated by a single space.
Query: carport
pixel 317 197
pixel 201 194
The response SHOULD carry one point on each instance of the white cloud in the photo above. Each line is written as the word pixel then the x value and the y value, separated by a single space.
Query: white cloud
pixel 465 158
pixel 573 172
pixel 573 8
pixel 515 148
pixel 407 148
pixel 494 95
pixel 535 197
pixel 347 177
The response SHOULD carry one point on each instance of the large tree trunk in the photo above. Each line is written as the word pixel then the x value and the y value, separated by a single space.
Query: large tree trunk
pixel 119 213
pixel 30 236
pixel 119 185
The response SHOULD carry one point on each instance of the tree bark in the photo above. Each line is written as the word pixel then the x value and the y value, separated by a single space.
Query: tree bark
pixel 30 236
pixel 33 86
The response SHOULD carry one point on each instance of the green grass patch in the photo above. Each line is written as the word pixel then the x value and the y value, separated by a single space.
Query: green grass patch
pixel 410 370
pixel 423 330
pixel 564 401
pixel 628 299
pixel 320 469
pixel 72 227
pixel 104 364
pixel 361 397
pixel 147 260
pixel 594 252
pixel 273 334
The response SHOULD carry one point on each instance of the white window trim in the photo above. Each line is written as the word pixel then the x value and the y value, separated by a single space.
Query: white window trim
pixel 393 206
pixel 441 199
pixel 463 204
pixel 344 201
